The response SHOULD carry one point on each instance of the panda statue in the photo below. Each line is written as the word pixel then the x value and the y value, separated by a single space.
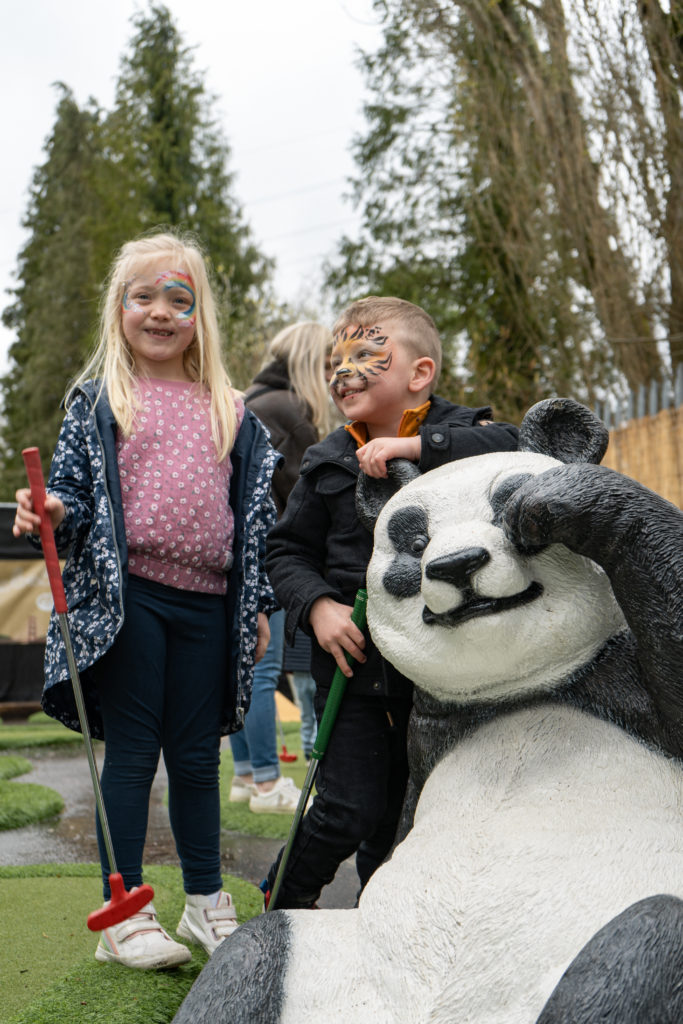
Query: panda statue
pixel 535 600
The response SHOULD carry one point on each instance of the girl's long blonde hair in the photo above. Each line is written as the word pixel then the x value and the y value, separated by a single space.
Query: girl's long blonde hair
pixel 112 361
pixel 305 347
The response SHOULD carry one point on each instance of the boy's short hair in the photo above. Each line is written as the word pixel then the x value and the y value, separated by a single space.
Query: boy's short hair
pixel 417 329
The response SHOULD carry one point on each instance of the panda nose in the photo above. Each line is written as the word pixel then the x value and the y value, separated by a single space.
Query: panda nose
pixel 459 567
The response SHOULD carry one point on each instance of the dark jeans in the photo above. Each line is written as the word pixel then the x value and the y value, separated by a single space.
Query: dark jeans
pixel 360 786
pixel 161 688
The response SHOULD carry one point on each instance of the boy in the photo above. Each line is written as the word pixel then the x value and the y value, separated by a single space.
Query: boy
pixel 385 361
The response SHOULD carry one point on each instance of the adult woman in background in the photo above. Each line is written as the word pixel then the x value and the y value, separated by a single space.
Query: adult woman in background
pixel 290 395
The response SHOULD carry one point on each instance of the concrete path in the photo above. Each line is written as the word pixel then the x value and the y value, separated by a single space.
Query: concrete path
pixel 72 838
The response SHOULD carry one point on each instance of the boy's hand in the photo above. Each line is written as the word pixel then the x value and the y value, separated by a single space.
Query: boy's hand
pixel 262 636
pixel 28 521
pixel 336 632
pixel 374 455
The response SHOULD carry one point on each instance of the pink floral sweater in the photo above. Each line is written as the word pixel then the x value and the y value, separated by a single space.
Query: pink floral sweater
pixel 179 525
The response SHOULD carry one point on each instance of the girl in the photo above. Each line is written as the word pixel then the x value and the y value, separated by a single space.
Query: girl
pixel 290 395
pixel 159 494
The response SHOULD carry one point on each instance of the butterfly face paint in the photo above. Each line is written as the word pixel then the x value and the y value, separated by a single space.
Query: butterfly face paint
pixel 360 356
pixel 172 290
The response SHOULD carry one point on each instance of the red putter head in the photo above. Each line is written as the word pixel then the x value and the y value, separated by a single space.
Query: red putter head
pixel 121 906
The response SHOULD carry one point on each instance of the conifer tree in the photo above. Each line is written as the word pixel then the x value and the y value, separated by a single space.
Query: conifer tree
pixel 55 305
pixel 175 163
pixel 156 159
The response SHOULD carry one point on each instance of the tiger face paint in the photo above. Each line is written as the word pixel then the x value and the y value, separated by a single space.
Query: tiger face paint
pixel 359 356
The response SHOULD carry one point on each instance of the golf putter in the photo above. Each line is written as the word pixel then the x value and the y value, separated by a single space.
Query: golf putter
pixel 123 904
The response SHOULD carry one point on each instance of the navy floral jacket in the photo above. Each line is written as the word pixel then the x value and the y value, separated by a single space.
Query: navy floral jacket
pixel 92 538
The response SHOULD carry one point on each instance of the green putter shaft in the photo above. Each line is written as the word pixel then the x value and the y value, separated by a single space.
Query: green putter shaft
pixel 327 721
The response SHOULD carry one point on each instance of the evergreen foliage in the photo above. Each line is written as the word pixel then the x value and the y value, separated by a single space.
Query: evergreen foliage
pixel 156 159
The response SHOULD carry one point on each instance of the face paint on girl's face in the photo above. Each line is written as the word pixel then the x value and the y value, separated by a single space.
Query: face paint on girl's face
pixel 359 355
pixel 173 288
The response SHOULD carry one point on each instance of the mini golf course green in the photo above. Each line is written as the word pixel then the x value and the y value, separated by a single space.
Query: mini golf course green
pixel 48 974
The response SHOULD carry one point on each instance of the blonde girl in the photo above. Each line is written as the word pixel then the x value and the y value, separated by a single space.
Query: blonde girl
pixel 159 496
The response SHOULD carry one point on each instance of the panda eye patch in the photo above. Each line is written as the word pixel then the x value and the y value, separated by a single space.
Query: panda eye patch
pixel 408 530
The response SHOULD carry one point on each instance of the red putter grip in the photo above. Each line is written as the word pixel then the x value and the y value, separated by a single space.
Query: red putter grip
pixel 36 481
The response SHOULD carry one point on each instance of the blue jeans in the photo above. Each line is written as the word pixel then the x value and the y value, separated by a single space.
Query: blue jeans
pixel 161 687
pixel 254 748
pixel 304 687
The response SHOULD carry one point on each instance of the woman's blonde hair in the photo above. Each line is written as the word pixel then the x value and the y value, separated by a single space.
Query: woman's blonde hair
pixel 113 363
pixel 305 347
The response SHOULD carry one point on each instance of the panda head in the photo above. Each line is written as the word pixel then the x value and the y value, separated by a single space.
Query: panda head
pixel 453 604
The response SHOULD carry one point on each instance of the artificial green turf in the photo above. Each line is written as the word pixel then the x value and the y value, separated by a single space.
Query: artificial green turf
pixel 38 731
pixel 25 803
pixel 48 974
pixel 11 766
pixel 238 817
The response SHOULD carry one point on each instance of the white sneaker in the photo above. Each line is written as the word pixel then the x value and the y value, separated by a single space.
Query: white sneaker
pixel 283 798
pixel 202 922
pixel 141 942
pixel 241 791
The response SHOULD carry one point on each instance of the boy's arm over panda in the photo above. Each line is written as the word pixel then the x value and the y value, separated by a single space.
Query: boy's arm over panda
pixel 461 433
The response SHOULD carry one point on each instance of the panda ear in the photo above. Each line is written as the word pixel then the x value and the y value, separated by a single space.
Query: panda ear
pixel 372 493
pixel 565 430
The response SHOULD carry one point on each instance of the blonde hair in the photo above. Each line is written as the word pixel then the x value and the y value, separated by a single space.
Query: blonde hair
pixel 417 330
pixel 113 363
pixel 304 347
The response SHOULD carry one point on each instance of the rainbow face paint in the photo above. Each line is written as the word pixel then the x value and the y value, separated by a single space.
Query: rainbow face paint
pixel 174 288
pixel 361 353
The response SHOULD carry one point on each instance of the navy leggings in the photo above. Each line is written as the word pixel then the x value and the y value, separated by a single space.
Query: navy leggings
pixel 161 687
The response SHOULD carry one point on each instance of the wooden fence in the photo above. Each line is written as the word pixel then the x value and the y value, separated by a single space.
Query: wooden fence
pixel 650 449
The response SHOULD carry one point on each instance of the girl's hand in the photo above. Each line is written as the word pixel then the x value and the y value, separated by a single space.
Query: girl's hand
pixel 28 521
pixel 262 636
pixel 336 632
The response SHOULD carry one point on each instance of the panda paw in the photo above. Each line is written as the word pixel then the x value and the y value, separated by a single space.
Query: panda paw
pixel 551 508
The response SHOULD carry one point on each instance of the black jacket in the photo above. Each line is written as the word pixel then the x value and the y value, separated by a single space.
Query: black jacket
pixel 319 548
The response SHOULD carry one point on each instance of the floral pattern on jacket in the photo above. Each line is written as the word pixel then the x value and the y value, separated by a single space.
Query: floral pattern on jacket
pixel 84 475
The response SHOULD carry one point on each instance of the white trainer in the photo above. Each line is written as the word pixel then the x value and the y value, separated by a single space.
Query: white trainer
pixel 241 791
pixel 208 925
pixel 140 942
pixel 283 798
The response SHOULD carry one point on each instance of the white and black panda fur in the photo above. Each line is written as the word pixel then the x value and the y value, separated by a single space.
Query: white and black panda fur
pixel 536 603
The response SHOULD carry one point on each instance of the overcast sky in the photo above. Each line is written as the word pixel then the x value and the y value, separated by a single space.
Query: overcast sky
pixel 289 98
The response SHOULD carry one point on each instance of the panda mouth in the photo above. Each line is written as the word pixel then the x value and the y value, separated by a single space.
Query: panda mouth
pixel 473 606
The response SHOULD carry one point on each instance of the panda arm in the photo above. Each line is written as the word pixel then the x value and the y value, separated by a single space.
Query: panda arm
pixel 636 537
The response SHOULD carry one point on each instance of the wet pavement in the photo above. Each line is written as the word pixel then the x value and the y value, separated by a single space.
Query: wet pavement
pixel 71 839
